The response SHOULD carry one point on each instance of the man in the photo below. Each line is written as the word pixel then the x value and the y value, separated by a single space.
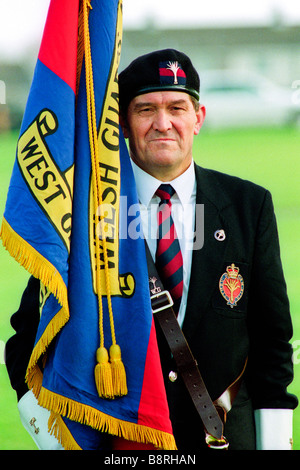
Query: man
pixel 231 302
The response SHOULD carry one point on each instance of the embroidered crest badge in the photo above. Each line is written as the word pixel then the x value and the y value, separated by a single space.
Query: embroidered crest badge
pixel 231 285
pixel 171 73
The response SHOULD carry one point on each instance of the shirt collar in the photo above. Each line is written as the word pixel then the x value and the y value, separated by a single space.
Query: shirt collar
pixel 184 185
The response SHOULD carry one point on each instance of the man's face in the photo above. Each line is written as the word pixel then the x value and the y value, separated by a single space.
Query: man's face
pixel 160 128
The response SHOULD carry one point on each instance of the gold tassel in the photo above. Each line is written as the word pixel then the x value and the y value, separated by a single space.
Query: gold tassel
pixel 118 371
pixel 103 374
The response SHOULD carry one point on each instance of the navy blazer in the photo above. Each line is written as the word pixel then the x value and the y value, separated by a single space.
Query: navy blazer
pixel 222 338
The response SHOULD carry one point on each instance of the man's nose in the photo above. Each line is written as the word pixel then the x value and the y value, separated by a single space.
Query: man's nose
pixel 162 122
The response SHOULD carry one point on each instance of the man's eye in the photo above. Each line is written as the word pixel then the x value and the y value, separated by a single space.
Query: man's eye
pixel 145 110
pixel 177 109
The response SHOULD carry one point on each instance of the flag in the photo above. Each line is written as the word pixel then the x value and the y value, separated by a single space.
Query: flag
pixel 71 220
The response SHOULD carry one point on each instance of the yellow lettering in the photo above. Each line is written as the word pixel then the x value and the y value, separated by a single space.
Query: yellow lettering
pixel 104 220
pixel 46 182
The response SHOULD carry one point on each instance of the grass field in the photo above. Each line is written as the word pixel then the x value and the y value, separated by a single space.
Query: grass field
pixel 268 157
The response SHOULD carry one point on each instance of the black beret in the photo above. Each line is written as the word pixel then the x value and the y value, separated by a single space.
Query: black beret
pixel 164 70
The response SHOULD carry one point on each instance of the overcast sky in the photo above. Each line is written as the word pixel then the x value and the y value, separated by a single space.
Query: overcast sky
pixel 22 21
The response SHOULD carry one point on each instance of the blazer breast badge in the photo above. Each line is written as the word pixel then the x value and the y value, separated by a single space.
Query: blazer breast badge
pixel 231 285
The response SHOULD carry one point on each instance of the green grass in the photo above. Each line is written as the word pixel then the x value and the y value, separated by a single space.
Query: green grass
pixel 265 156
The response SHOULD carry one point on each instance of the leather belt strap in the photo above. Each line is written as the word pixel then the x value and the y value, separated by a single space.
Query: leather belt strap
pixel 186 363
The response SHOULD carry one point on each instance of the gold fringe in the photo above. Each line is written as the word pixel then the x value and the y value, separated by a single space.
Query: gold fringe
pixel 34 380
pixel 33 375
pixel 34 263
pixel 58 428
pixel 84 414
pixel 42 269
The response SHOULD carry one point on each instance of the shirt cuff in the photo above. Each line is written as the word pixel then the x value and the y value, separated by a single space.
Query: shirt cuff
pixel 35 420
pixel 274 429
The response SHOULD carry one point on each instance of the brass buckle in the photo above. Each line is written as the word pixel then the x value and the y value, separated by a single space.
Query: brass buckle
pixel 167 299
pixel 216 444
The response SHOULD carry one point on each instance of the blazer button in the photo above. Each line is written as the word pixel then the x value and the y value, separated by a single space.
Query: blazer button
pixel 172 376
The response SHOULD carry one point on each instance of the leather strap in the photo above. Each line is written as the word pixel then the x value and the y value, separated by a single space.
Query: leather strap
pixel 186 363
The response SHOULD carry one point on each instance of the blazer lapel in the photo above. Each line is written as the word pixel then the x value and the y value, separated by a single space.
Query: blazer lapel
pixel 207 262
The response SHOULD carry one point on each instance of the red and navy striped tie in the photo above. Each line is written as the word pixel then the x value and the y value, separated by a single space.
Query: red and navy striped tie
pixel 169 262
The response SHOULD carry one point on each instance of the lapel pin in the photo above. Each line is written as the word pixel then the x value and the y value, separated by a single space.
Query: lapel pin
pixel 220 235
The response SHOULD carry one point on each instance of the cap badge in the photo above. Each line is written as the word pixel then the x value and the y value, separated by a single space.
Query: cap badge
pixel 155 289
pixel 171 73
pixel 231 285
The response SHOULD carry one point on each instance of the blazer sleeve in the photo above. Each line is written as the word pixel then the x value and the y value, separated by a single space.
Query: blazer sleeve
pixel 19 347
pixel 270 366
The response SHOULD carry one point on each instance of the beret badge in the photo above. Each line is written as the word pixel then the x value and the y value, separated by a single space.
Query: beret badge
pixel 171 73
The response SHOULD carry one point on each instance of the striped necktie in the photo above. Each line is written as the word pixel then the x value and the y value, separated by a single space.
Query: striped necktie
pixel 169 262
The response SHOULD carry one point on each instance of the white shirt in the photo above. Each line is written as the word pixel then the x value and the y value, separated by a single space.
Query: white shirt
pixel 183 213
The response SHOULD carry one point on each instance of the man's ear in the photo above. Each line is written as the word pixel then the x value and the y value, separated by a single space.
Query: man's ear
pixel 124 126
pixel 200 114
